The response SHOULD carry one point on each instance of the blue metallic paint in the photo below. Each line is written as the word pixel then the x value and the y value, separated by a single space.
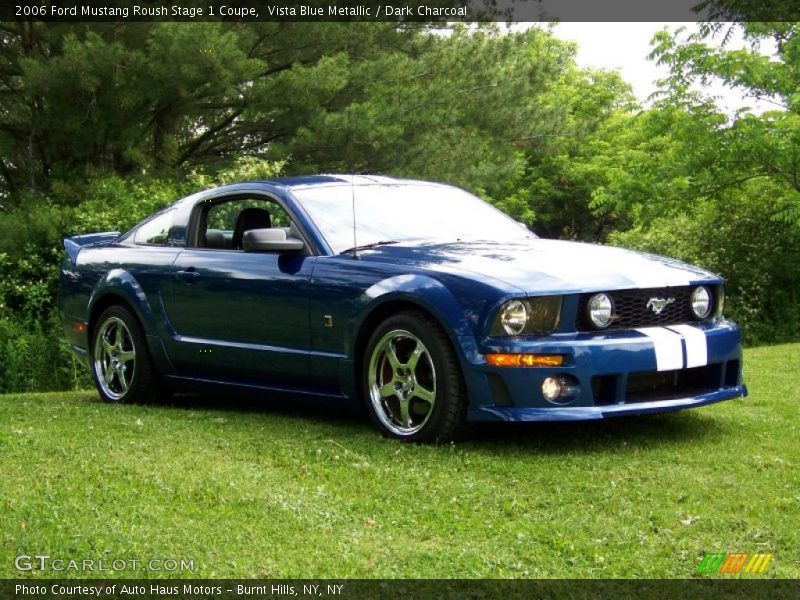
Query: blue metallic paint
pixel 592 413
pixel 205 332
pixel 590 355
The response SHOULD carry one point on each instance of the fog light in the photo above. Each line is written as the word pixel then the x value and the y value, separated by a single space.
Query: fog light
pixel 552 388
pixel 561 389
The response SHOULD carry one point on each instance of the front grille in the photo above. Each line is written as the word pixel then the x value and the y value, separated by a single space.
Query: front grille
pixel 631 310
pixel 664 385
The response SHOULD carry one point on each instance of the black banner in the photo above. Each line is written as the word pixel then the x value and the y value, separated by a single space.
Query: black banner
pixel 402 10
pixel 230 589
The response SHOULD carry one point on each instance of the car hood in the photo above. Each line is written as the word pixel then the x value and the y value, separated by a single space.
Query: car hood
pixel 546 266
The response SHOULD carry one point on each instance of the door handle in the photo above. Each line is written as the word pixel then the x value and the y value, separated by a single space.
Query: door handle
pixel 190 275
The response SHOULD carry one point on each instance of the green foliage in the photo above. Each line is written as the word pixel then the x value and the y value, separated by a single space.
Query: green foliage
pixel 35 358
pixel 748 146
pixel 29 258
pixel 574 157
pixel 161 98
pixel 242 168
pixel 462 108
pixel 119 97
pixel 117 204
pixel 468 105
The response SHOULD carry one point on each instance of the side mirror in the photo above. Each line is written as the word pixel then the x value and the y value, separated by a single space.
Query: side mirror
pixel 270 240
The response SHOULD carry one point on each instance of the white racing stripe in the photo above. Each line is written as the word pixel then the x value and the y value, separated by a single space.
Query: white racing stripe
pixel 696 347
pixel 668 347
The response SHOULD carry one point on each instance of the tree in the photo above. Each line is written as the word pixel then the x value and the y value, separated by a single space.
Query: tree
pixel 749 146
pixel 462 108
pixel 469 105
pixel 127 98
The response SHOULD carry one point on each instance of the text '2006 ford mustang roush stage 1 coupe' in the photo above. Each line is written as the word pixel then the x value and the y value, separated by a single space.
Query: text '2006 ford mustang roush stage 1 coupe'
pixel 424 303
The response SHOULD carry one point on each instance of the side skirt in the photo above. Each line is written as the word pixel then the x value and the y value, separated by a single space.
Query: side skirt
pixel 205 385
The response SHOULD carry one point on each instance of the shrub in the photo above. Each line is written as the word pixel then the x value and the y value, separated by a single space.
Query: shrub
pixel 35 358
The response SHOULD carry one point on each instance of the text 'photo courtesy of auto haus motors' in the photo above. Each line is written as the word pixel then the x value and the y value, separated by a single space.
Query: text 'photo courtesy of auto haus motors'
pixel 437 310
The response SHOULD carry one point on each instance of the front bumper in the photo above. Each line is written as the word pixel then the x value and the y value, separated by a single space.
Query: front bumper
pixel 617 373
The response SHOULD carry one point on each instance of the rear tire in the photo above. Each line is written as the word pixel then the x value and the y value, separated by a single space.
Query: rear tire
pixel 411 380
pixel 122 367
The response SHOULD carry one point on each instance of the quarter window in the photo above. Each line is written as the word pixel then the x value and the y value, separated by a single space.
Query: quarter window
pixel 155 232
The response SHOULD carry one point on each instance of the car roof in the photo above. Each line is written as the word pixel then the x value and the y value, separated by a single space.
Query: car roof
pixel 301 183
pixel 327 180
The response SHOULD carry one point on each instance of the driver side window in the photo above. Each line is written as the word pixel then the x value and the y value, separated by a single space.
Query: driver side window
pixel 222 224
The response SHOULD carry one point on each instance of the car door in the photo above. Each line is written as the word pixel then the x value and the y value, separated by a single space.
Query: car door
pixel 239 316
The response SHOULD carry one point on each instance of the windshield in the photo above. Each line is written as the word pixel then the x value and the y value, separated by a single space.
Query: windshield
pixel 398 213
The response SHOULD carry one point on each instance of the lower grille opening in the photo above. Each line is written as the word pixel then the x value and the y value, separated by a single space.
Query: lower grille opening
pixel 653 386
pixel 732 373
pixel 604 389
pixel 668 385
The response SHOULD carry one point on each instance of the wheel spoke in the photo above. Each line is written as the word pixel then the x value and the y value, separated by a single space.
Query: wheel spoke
pixel 126 356
pixel 387 390
pixel 123 380
pixel 108 375
pixel 423 394
pixel 419 350
pixel 404 417
pixel 391 355
pixel 118 336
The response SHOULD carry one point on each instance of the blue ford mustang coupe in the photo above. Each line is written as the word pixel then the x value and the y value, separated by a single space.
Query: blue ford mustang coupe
pixel 424 303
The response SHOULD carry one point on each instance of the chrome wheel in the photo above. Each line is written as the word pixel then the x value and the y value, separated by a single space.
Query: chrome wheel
pixel 114 358
pixel 402 382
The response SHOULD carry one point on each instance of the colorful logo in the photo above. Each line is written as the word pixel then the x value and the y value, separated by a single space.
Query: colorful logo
pixel 734 562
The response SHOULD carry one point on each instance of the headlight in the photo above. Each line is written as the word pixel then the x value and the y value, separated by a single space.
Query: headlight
pixel 514 317
pixel 701 302
pixel 600 310
pixel 532 315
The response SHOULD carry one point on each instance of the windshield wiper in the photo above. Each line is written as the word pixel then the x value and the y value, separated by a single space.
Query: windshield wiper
pixel 372 245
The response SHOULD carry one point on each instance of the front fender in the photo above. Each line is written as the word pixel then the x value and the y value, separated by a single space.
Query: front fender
pixel 434 297
pixel 421 290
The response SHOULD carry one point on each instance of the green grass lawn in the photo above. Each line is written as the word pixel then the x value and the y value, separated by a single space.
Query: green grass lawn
pixel 272 489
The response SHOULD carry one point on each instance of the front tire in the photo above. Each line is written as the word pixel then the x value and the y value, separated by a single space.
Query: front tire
pixel 121 365
pixel 412 382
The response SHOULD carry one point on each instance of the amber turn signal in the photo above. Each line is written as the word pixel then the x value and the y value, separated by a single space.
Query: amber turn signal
pixel 525 360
